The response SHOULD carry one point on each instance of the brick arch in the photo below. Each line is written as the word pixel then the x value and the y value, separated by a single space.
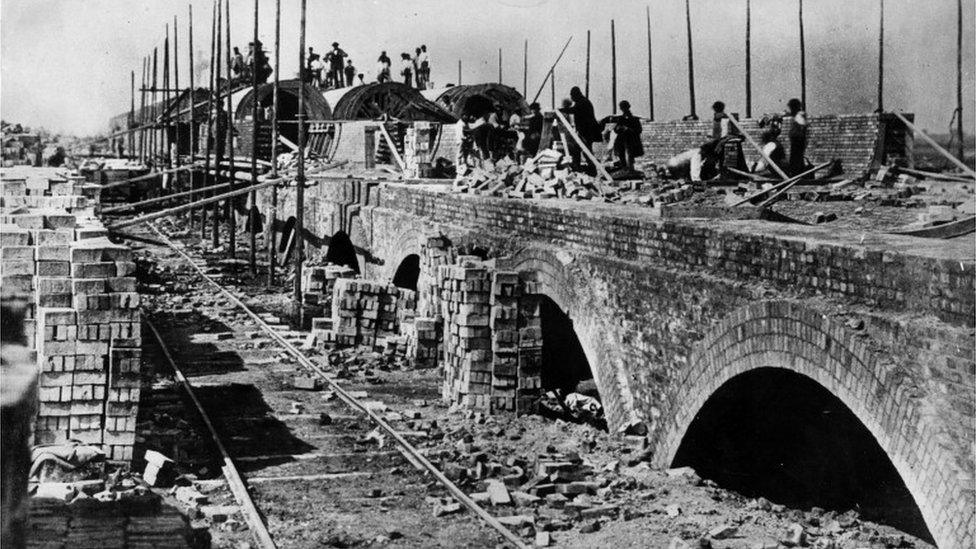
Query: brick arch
pixel 570 289
pixel 552 274
pixel 787 335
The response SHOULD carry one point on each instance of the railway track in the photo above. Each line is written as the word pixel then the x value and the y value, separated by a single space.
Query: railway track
pixel 289 457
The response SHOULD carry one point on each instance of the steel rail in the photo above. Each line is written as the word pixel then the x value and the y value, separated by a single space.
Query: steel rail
pixel 234 480
pixel 413 453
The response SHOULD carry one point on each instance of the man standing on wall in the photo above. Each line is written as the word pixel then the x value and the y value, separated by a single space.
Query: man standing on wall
pixel 798 136
pixel 586 125
pixel 337 59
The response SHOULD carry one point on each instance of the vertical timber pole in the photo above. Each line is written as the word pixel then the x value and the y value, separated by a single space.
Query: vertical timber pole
pixel 155 133
pixel 273 210
pixel 586 91
pixel 881 56
pixel 300 176
pixel 164 114
pixel 960 135
pixel 552 89
pixel 132 114
pixel 459 72
pixel 613 67
pixel 803 61
pixel 691 61
pixel 650 70
pixel 193 117
pixel 748 58
pixel 208 146
pixel 525 69
pixel 176 91
pixel 215 212
pixel 229 203
pixel 251 211
pixel 142 111
pixel 499 65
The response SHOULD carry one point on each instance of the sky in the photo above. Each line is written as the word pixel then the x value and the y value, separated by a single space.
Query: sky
pixel 65 64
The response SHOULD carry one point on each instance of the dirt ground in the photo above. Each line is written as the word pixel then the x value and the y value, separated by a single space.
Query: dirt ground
pixel 374 497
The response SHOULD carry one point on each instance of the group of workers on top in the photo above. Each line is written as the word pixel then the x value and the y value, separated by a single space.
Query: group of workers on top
pixel 243 68
pixel 334 70
pixel 490 133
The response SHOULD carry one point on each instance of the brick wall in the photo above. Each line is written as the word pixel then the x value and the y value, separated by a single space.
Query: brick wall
pixel 853 138
pixel 648 295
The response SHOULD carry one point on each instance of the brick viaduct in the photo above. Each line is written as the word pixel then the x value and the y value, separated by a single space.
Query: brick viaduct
pixel 668 310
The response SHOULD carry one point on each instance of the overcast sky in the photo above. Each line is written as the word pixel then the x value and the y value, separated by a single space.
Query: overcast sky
pixel 65 63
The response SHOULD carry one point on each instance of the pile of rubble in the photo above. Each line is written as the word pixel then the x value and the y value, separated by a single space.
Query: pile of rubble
pixel 543 176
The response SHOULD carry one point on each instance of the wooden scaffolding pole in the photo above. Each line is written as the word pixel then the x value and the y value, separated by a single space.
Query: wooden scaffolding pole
pixel 193 114
pixel 499 65
pixel 219 144
pixel 273 210
pixel 155 125
pixel 586 89
pixel 132 112
pixel 229 210
pixel 960 134
pixel 142 110
pixel 650 69
pixel 176 87
pixel 551 71
pixel 748 58
pixel 691 61
pixel 880 56
pixel 613 67
pixel 300 176
pixel 525 69
pixel 803 60
pixel 252 217
pixel 209 119
pixel 166 142
pixel 459 72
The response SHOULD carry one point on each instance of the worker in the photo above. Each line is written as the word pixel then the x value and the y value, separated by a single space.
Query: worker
pixel 237 63
pixel 696 164
pixel 423 62
pixel 798 136
pixel 627 128
pixel 586 125
pixel 350 71
pixel 258 62
pixel 720 120
pixel 336 63
pixel 771 147
pixel 317 67
pixel 383 74
pixel 406 68
pixel 529 129
pixel 418 77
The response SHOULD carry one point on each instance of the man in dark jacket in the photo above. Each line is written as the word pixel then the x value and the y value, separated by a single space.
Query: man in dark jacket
pixel 627 145
pixel 586 127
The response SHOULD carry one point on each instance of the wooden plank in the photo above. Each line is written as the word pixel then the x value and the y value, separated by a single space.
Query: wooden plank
pixel 756 146
pixel 782 185
pixel 952 229
pixel 589 155
pixel 936 146
pixel 393 149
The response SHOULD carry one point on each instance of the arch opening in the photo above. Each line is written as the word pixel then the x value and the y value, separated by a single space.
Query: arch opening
pixel 564 364
pixel 342 252
pixel 777 434
pixel 408 273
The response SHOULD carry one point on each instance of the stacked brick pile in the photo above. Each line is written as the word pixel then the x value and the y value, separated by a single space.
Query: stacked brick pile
pixel 436 252
pixel 364 312
pixel 423 341
pixel 318 283
pixel 82 320
pixel 492 339
pixel 465 306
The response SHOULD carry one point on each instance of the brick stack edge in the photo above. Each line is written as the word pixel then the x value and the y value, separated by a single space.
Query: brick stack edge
pixel 82 317
pixel 492 338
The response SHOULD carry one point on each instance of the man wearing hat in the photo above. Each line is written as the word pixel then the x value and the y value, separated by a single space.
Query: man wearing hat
pixel 337 60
